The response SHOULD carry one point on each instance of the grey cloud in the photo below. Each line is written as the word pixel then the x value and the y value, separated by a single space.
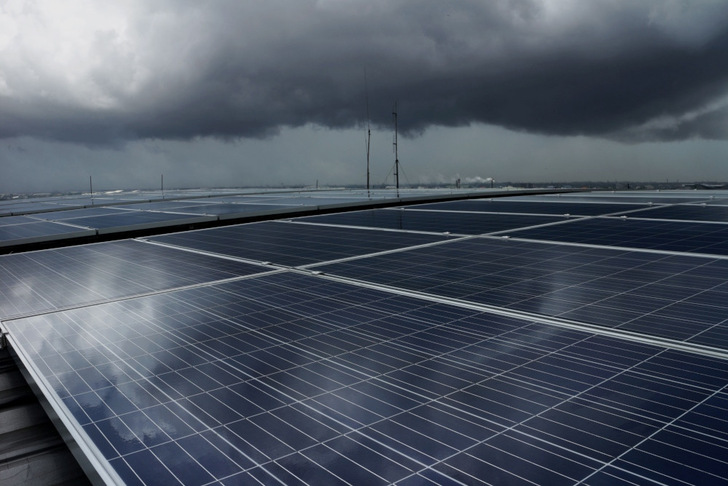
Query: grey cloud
pixel 183 70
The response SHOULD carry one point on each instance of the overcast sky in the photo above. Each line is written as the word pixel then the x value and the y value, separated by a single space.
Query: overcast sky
pixel 233 93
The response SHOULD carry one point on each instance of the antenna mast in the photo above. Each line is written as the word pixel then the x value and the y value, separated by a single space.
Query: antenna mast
pixel 369 132
pixel 396 155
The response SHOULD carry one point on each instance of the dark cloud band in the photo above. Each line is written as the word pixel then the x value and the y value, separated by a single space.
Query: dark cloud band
pixel 642 71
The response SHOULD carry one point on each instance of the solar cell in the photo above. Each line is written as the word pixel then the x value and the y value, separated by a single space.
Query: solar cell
pixel 381 397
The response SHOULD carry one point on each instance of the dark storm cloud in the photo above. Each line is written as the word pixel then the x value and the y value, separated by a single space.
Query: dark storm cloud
pixel 626 70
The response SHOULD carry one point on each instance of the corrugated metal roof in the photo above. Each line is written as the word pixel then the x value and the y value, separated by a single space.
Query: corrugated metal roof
pixel 31 449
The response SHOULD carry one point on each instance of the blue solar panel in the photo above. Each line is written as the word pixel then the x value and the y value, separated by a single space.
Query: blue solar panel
pixel 302 380
pixel 219 209
pixel 8 208
pixel 686 212
pixel 16 234
pixel 293 244
pixel 15 220
pixel 506 205
pixel 52 279
pixel 517 361
pixel 664 295
pixel 128 218
pixel 658 235
pixel 204 208
pixel 436 222
pixel 70 214
pixel 172 205
pixel 635 197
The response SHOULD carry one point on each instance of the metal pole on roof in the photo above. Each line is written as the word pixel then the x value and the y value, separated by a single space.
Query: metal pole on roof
pixel 369 131
pixel 396 155
pixel 91 189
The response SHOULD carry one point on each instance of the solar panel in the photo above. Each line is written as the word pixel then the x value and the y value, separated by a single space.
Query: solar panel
pixel 14 207
pixel 658 235
pixel 220 209
pixel 23 233
pixel 687 212
pixel 70 214
pixel 434 222
pixel 293 244
pixel 46 280
pixel 632 197
pixel 506 205
pixel 664 295
pixel 237 381
pixel 386 356
pixel 130 219
pixel 15 220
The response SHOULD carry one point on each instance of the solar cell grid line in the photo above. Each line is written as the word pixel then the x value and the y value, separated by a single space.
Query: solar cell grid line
pixel 688 472
pixel 317 407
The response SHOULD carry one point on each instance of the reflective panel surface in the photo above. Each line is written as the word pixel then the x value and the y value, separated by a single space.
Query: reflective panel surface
pixel 52 279
pixel 297 379
pixel 293 244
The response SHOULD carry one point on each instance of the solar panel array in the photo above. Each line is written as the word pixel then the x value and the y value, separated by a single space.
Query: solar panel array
pixel 476 342
pixel 43 219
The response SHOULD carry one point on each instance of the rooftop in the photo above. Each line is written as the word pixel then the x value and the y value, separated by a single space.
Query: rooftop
pixel 543 338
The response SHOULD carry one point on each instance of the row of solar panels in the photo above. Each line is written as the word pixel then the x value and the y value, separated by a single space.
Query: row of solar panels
pixel 438 344
pixel 70 218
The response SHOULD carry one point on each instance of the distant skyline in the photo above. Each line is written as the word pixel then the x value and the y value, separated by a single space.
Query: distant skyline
pixel 230 93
